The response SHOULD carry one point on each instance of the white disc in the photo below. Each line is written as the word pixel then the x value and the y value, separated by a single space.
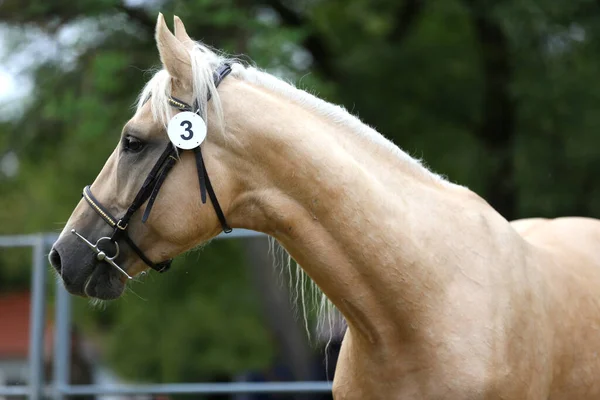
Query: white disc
pixel 187 130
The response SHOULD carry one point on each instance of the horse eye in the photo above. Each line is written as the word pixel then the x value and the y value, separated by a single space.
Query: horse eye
pixel 132 144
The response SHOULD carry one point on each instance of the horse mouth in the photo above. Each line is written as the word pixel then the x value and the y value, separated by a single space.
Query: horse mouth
pixel 83 274
pixel 104 283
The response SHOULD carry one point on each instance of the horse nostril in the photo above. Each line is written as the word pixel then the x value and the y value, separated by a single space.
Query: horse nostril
pixel 54 259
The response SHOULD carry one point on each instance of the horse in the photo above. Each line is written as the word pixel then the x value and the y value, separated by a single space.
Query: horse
pixel 442 296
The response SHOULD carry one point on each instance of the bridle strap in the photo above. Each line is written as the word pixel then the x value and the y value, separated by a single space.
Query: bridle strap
pixel 98 207
pixel 119 232
pixel 211 192
pixel 148 186
pixel 201 175
pixel 143 194
pixel 151 185
pixel 160 267
pixel 153 182
pixel 159 181
pixel 203 179
pixel 220 74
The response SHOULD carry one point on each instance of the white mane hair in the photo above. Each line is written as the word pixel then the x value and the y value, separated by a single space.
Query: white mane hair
pixel 205 61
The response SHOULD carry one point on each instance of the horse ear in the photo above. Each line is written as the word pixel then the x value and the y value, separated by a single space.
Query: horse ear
pixel 173 54
pixel 181 34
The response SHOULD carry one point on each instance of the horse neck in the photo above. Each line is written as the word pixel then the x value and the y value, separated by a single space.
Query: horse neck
pixel 359 219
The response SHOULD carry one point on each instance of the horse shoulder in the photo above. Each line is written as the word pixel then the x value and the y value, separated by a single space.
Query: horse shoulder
pixel 526 224
pixel 566 254
pixel 571 240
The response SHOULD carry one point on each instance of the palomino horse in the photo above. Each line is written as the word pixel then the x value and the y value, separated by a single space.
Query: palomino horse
pixel 444 299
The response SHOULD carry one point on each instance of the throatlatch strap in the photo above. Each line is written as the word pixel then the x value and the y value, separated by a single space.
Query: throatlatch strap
pixel 203 179
pixel 213 197
pixel 200 167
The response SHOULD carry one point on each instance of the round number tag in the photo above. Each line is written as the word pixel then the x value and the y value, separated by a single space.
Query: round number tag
pixel 187 130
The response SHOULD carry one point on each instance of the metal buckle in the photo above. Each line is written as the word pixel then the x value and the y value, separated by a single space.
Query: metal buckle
pixel 121 227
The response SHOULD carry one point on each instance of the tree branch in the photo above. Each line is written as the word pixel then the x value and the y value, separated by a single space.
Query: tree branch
pixel 138 15
pixel 497 128
pixel 406 18
pixel 289 337
pixel 289 16
pixel 313 43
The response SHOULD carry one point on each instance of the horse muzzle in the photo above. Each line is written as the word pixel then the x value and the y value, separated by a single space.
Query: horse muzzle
pixel 86 273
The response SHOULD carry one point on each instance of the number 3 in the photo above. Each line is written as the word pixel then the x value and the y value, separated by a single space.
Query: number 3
pixel 188 129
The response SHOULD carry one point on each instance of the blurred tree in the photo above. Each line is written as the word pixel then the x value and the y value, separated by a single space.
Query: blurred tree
pixel 499 96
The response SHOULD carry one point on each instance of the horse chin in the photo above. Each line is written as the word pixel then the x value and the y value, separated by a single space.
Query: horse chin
pixel 104 284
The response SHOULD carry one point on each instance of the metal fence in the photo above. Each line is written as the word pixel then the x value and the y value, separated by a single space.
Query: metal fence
pixel 60 387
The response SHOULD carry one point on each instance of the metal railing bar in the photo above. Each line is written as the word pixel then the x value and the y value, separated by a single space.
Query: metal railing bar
pixel 62 339
pixel 37 318
pixel 50 238
pixel 200 388
pixel 14 390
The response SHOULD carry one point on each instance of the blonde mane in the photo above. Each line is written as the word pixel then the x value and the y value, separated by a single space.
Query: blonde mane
pixel 205 61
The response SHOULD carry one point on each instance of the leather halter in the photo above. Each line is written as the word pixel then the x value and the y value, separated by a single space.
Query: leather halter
pixel 149 192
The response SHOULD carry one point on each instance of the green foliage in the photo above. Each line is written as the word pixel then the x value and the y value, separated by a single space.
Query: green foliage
pixel 499 96
pixel 193 324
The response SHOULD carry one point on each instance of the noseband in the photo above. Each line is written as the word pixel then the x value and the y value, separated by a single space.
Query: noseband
pixel 149 192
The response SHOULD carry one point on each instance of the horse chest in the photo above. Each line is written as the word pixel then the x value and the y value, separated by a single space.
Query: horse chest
pixel 414 374
pixel 360 374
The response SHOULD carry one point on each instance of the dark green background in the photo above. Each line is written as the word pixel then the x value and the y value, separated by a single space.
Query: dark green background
pixel 501 96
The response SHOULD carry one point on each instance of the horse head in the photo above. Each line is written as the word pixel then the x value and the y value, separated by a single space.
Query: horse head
pixel 162 163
